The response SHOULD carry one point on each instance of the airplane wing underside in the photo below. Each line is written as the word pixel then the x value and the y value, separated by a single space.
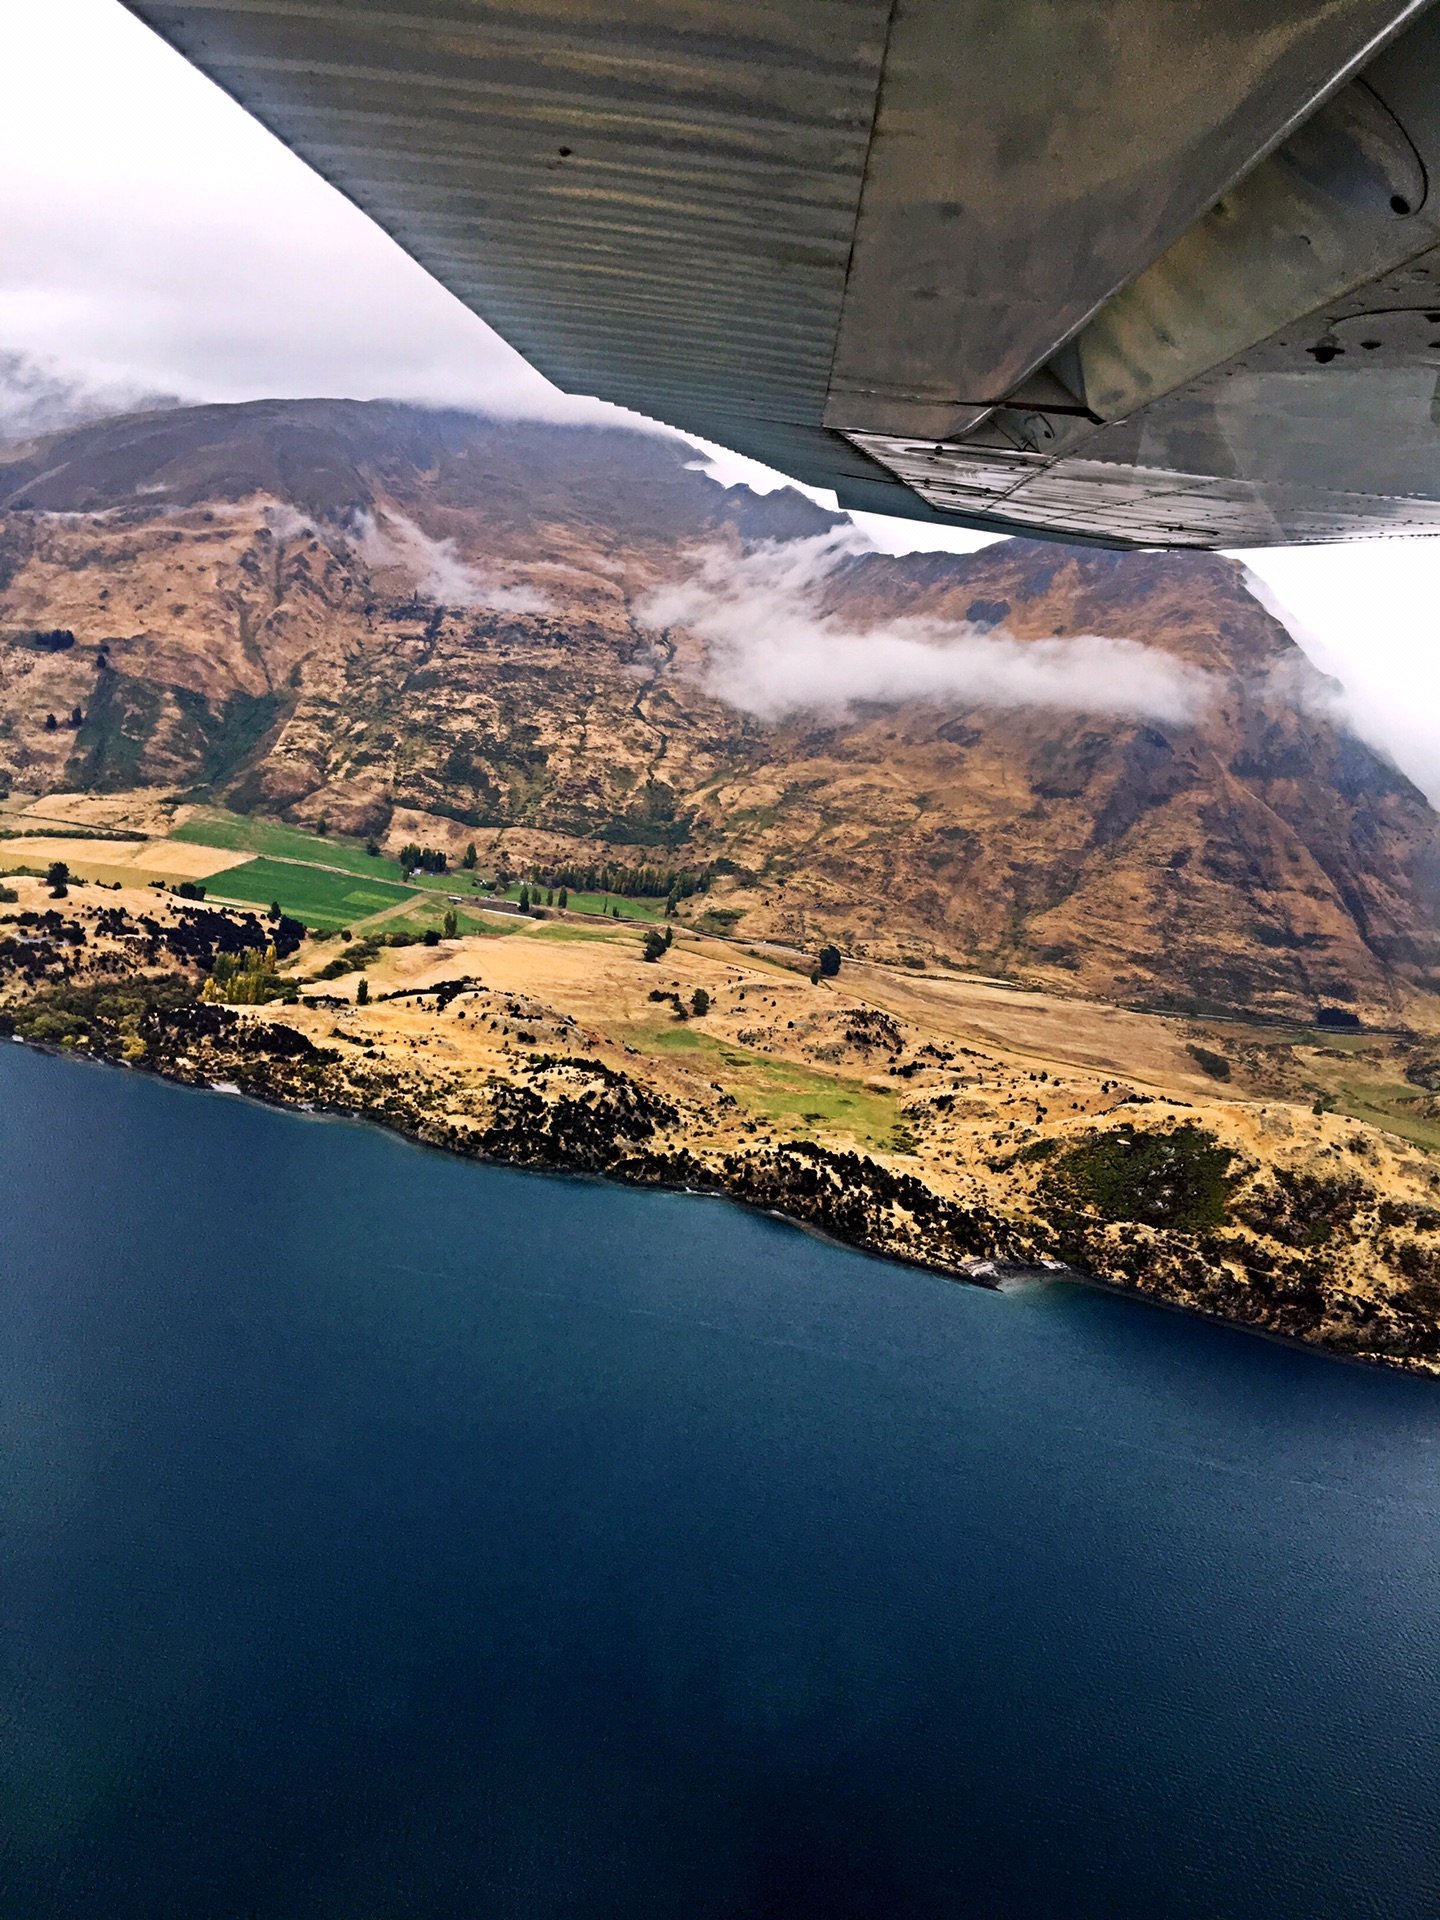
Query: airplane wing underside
pixel 1111 270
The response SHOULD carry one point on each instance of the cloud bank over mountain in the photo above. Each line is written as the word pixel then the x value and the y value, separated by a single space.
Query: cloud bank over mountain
pixel 774 651
pixel 37 397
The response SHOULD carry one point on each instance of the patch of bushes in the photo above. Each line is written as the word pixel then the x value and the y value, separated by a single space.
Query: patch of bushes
pixel 1304 1209
pixel 1208 1061
pixel 1037 1150
pixel 103 1016
pixel 1179 1178
pixel 719 919
pixel 45 640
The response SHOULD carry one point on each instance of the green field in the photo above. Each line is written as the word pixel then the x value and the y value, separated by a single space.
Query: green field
pixel 242 833
pixel 596 903
pixel 1388 1104
pixel 791 1098
pixel 603 902
pixel 423 916
pixel 563 930
pixel 309 894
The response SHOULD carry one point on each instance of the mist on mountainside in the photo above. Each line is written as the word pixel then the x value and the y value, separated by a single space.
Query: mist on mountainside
pixel 37 398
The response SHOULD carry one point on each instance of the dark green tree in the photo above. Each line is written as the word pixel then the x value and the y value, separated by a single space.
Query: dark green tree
pixel 700 1003
pixel 362 992
pixel 829 958
pixel 654 945
pixel 468 862
pixel 57 876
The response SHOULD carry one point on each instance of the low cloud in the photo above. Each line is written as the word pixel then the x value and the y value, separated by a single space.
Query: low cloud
pixel 1368 630
pixel 36 397
pixel 287 522
pixel 437 569
pixel 774 651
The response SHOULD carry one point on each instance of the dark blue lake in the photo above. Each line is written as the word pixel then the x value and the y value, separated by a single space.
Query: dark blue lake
pixel 386 1536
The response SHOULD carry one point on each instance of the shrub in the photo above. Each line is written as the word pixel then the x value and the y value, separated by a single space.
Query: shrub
pixel 1215 1064
pixel 719 919
pixel 829 959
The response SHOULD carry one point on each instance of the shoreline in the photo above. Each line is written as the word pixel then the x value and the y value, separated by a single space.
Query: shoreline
pixel 860 1115
pixel 1040 1270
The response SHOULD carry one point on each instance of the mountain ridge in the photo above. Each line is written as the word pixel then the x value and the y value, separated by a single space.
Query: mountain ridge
pixel 380 615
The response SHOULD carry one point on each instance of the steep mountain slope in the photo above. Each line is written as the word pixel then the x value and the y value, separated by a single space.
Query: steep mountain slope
pixel 369 613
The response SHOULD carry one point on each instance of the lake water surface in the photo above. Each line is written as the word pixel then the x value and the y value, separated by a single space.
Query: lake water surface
pixel 387 1536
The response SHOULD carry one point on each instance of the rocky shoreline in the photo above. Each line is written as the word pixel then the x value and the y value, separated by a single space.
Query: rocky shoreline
pixel 1300 1225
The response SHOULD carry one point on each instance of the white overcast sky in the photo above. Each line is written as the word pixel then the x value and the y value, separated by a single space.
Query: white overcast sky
pixel 154 239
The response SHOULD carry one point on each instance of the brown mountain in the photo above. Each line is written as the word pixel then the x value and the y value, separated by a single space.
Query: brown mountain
pixel 428 625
